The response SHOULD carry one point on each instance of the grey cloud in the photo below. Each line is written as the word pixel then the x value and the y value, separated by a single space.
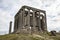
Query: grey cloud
pixel 47 3
pixel 11 7
pixel 51 16
pixel 57 28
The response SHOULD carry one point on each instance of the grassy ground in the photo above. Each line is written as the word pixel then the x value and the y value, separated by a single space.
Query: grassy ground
pixel 19 37
pixel 29 37
pixel 57 37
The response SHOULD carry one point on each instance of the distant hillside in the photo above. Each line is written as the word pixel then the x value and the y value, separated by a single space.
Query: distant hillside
pixel 28 37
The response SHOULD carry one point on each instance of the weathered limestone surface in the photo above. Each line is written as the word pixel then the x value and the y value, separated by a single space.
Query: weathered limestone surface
pixel 30 20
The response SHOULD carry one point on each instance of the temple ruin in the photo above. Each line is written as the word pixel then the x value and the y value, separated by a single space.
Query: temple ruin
pixel 30 20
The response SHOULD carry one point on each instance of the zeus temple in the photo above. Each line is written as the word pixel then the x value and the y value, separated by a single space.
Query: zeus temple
pixel 30 20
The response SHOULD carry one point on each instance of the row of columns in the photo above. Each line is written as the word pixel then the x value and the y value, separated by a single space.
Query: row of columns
pixel 22 20
pixel 34 20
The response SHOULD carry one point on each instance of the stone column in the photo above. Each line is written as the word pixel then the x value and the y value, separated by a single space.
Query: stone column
pixel 42 24
pixel 34 21
pixel 10 27
pixel 23 19
pixel 28 27
pixel 45 22
pixel 14 25
pixel 20 25
pixel 39 23
pixel 29 18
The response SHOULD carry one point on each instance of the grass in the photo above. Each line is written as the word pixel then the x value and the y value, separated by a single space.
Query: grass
pixel 29 37
pixel 57 37
pixel 18 37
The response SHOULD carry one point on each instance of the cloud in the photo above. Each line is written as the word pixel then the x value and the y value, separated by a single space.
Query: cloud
pixel 8 9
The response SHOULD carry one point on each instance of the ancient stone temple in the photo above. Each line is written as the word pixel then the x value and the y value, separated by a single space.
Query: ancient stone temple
pixel 30 20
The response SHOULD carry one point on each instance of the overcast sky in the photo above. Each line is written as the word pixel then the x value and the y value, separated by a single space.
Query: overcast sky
pixel 8 9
